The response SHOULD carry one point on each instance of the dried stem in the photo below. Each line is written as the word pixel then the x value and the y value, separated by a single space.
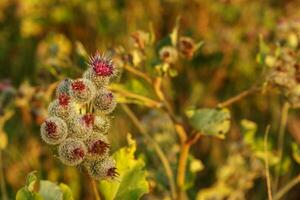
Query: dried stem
pixel 146 100
pixel 95 190
pixel 183 157
pixel 239 97
pixel 283 121
pixel 138 73
pixel 267 164
pixel 287 187
pixel 158 150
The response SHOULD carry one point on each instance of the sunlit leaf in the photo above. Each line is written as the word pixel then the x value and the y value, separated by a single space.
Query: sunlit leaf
pixel 67 192
pixel 43 190
pixel 24 194
pixel 131 183
pixel 210 121
pixel 50 191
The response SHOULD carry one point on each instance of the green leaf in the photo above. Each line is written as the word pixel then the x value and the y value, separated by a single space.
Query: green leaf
pixel 210 121
pixel 50 191
pixel 131 183
pixel 24 194
pixel 31 180
pixel 47 190
pixel 67 192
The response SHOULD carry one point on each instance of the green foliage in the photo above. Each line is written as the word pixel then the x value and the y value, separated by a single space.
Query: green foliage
pixel 36 189
pixel 210 122
pixel 131 183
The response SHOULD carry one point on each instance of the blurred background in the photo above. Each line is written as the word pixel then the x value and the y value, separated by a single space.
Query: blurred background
pixel 41 42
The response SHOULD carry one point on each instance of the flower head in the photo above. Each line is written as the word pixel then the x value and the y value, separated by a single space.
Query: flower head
pixel 102 169
pixel 187 46
pixel 82 90
pixel 97 145
pixel 64 99
pixel 99 81
pixel 62 107
pixel 81 126
pixel 72 152
pixel 101 124
pixel 104 102
pixel 64 87
pixel 54 130
pixel 102 65
pixel 168 54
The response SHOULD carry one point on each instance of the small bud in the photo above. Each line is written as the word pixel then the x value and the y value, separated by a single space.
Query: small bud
pixel 72 152
pixel 102 66
pixel 81 126
pixel 97 145
pixel 101 124
pixel 62 107
pixel 168 54
pixel 104 102
pixel 54 130
pixel 82 90
pixel 187 46
pixel 104 169
pixel 63 87
pixel 99 81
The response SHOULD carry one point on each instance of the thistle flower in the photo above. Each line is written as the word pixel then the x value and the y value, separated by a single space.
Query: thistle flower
pixel 72 152
pixel 63 87
pixel 99 81
pixel 81 126
pixel 168 54
pixel 103 169
pixel 104 102
pixel 102 66
pixel 54 130
pixel 187 46
pixel 97 146
pixel 101 124
pixel 62 107
pixel 82 90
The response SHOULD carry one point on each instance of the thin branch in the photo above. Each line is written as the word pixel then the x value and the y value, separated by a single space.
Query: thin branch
pixel 138 73
pixel 158 150
pixel 287 188
pixel 178 126
pixel 267 163
pixel 239 97
pixel 283 121
pixel 146 100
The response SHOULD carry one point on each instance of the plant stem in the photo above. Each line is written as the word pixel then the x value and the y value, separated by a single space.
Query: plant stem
pixel 267 163
pixel 95 190
pixel 182 162
pixel 147 101
pixel 287 187
pixel 183 157
pixel 3 186
pixel 239 97
pixel 283 121
pixel 138 73
pixel 158 150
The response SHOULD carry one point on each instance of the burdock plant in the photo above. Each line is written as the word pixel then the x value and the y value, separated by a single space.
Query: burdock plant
pixel 78 120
